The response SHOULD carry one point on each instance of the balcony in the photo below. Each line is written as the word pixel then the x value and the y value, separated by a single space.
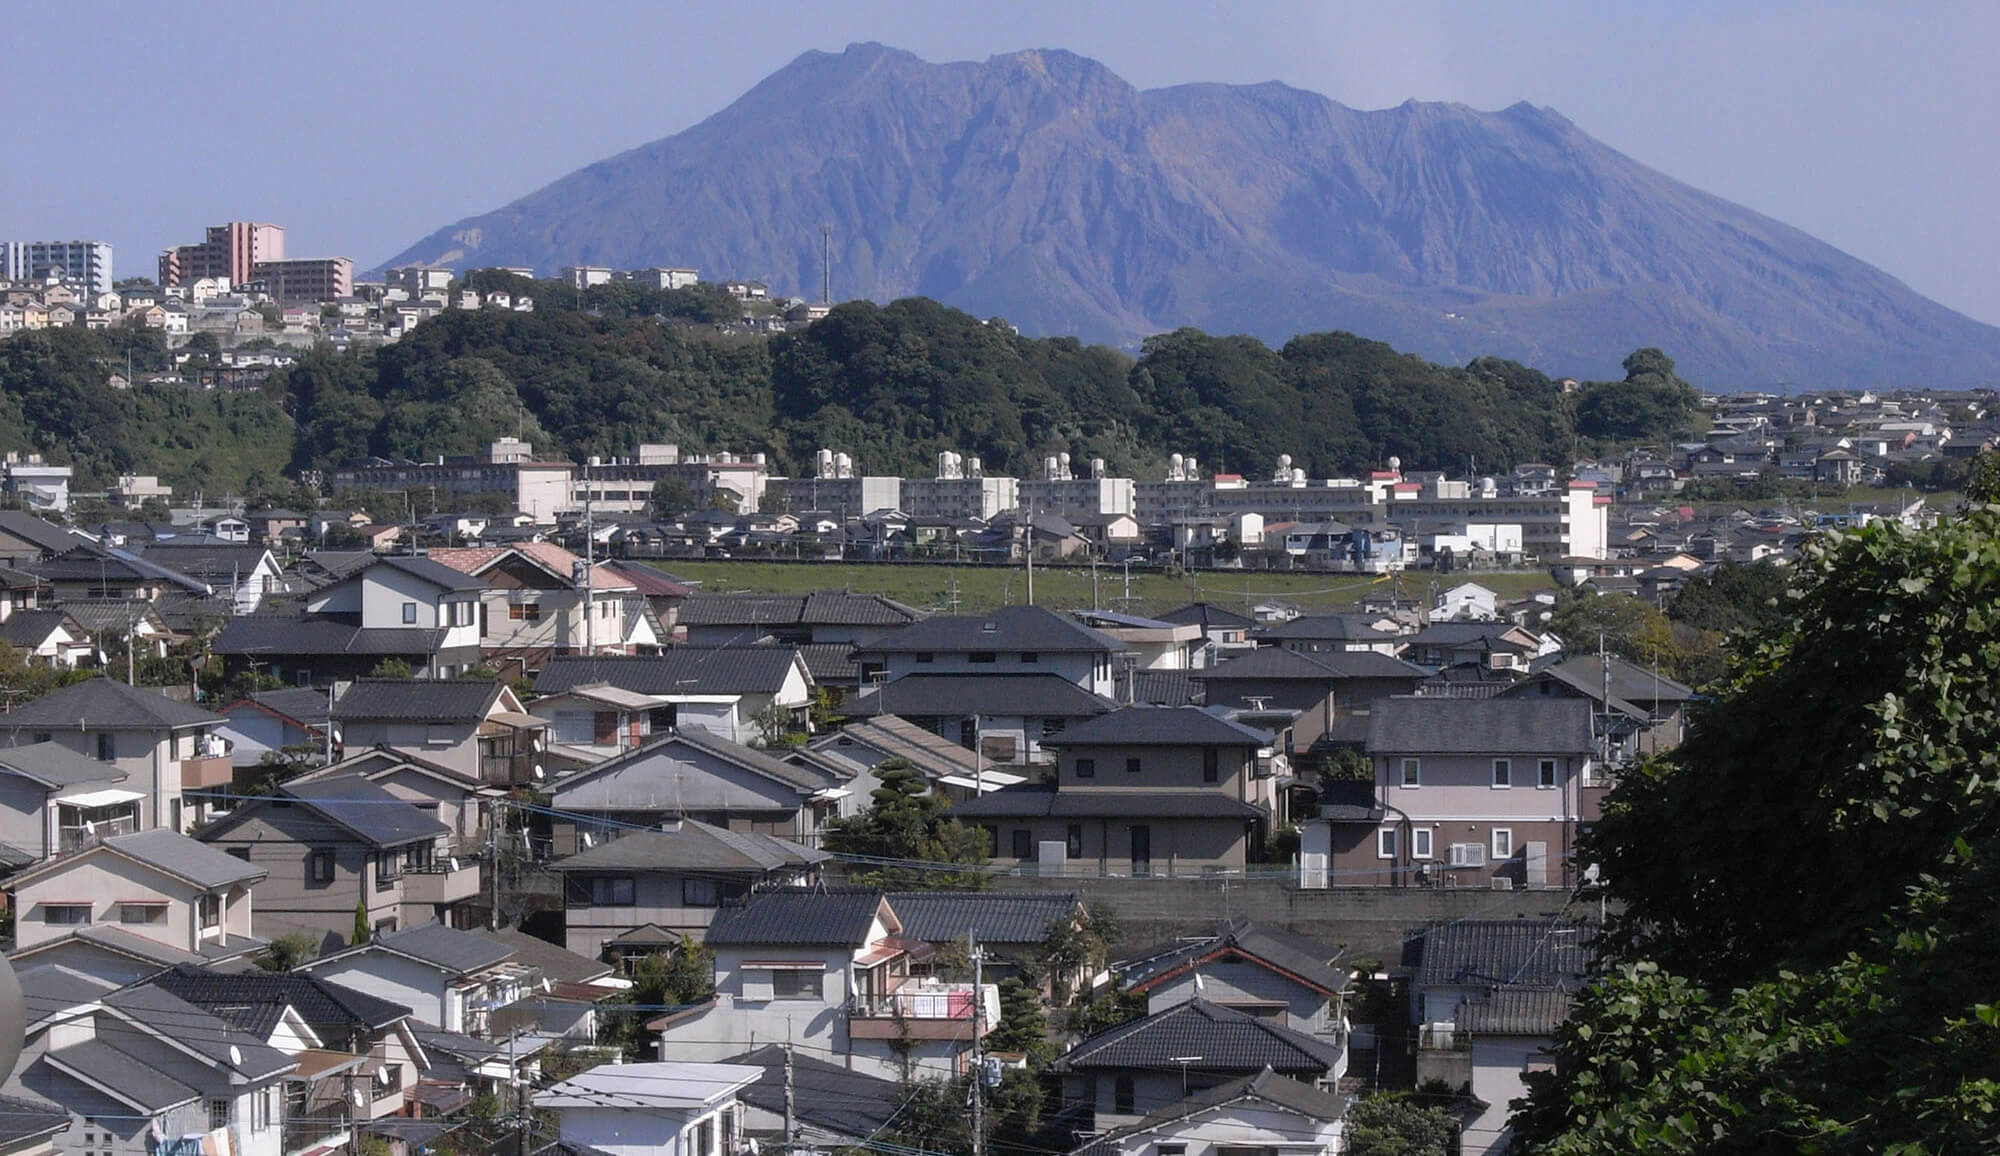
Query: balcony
pixel 438 882
pixel 921 1011
pixel 210 771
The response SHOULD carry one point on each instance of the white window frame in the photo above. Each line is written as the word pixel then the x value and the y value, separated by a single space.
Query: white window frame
pixel 1420 842
pixel 1386 843
pixel 1548 774
pixel 1503 844
pixel 1412 773
pixel 1503 774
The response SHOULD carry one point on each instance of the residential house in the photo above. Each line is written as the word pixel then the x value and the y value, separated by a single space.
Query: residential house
pixel 1334 633
pixel 1465 602
pixel 88 570
pixel 275 723
pixel 474 726
pixel 633 893
pixel 1007 718
pixel 1126 1073
pixel 830 1106
pixel 1224 632
pixel 1493 645
pixel 1147 643
pixel 1478 792
pixel 1261 1113
pixel 1011 926
pixel 138 1070
pixel 824 616
pixel 29 1127
pixel 864 744
pixel 1644 713
pixel 694 774
pixel 459 800
pixel 1487 997
pixel 240 574
pixel 595 721
pixel 402 607
pixel 661 592
pixel 138 625
pixel 1139 791
pixel 345 849
pixel 51 637
pixel 540 602
pixel 52 800
pixel 25 538
pixel 20 590
pixel 149 885
pixel 1263 971
pixel 832 972
pixel 448 978
pixel 760 678
pixel 673 1108
pixel 1332 691
pixel 169 751
pixel 1017 640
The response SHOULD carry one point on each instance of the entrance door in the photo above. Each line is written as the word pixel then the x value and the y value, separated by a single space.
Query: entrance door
pixel 1142 850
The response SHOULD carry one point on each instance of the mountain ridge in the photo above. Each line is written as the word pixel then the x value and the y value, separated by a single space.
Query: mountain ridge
pixel 1041 186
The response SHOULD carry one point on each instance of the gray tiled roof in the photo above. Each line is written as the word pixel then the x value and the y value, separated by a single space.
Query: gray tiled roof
pixel 1227 1040
pixel 56 766
pixel 1504 953
pixel 296 703
pixel 1328 628
pixel 363 809
pixel 1039 800
pixel 446 948
pixel 184 857
pixel 556 963
pixel 103 704
pixel 254 1001
pixel 1267 1086
pixel 100 1063
pixel 456 700
pixel 213 562
pixel 992 916
pixel 831 662
pixel 1159 687
pixel 1006 628
pixel 1032 695
pixel 821 608
pixel 1280 950
pixel 1207 616
pixel 1514 1011
pixel 796 918
pixel 1480 726
pixel 695 846
pixel 195 1028
pixel 898 737
pixel 27 527
pixel 1158 726
pixel 826 1096
pixel 304 634
pixel 436 573
pixel 30 628
pixel 1271 663
pixel 680 670
pixel 24 1119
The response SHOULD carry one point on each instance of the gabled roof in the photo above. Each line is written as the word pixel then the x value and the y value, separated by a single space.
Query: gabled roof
pixel 209 561
pixel 558 964
pixel 1514 1011
pixel 111 614
pixel 363 809
pixel 306 707
pixel 1043 800
pixel 1028 628
pixel 1013 917
pixel 1480 726
pixel 23 1119
pixel 820 608
pixel 304 634
pixel 946 695
pixel 55 766
pixel 1173 726
pixel 1291 956
pixel 447 949
pixel 693 846
pixel 800 919
pixel 1272 663
pixel 1629 681
pixel 830 662
pixel 104 704
pixel 253 1001
pixel 158 1011
pixel 826 1096
pixel 436 573
pixel 27 527
pixel 1227 1040
pixel 31 628
pixel 169 852
pixel 649 581
pixel 455 700
pixel 1328 628
pixel 899 738
pixel 1458 635
pixel 580 790
pixel 1502 953
pixel 1267 1087
pixel 680 670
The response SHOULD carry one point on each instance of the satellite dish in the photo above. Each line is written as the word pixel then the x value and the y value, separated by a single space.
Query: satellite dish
pixel 360 1100
pixel 235 1056
pixel 1591 873
pixel 538 772
pixel 453 862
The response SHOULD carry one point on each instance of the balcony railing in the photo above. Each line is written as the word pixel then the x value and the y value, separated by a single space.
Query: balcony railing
pixel 922 1011
pixel 439 882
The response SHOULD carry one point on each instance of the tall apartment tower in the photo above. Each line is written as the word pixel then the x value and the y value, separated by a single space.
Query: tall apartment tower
pixel 86 264
pixel 230 250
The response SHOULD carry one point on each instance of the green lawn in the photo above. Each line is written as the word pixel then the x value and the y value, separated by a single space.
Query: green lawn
pixel 929 587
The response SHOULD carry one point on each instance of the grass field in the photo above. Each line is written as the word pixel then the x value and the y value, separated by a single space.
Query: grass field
pixel 929 587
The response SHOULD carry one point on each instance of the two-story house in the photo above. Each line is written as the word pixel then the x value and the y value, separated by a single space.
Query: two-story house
pixel 1139 791
pixel 157 886
pixel 594 721
pixel 670 1108
pixel 1490 645
pixel 1480 792
pixel 474 726
pixel 168 750
pixel 460 801
pixel 137 1067
pixel 337 847
pixel 823 616
pixel 272 722
pixel 637 892
pixel 757 678
pixel 1261 1113
pixel 403 607
pixel 534 605
pixel 239 574
pixel 831 972
pixel 1006 640
pixel 1224 632
pixel 53 799
pixel 450 979
pixel 1264 971
pixel 1005 718
pixel 1332 690
pixel 1334 634
pixel 1636 711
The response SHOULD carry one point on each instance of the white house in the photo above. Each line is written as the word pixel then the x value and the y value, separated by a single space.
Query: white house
pixel 660 1109
pixel 1264 1113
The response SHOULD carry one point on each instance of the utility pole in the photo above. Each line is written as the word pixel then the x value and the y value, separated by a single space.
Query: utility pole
pixel 493 820
pixel 978 954
pixel 589 577
pixel 826 264
pixel 791 1116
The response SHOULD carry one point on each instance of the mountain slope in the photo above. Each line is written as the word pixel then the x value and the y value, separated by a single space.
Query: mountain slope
pixel 1041 187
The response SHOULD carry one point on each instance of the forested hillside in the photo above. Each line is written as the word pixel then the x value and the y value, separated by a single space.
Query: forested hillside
pixel 891 385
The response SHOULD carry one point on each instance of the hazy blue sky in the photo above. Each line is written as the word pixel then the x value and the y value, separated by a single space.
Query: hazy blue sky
pixel 361 126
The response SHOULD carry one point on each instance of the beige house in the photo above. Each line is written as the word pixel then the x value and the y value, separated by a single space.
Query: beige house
pixel 475 727
pixel 457 800
pixel 169 751
pixel 48 793
pixel 539 603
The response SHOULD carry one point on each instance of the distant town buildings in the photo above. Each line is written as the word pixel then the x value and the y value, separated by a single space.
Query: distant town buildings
pixel 85 265
pixel 228 251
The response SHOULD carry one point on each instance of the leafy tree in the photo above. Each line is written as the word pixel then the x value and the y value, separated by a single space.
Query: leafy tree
pixel 1651 404
pixel 1982 483
pixel 288 951
pixel 390 668
pixel 362 932
pixel 1632 628
pixel 1804 952
pixel 907 840
pixel 1022 1027
pixel 1731 597
pixel 685 976
pixel 671 499
pixel 1395 1124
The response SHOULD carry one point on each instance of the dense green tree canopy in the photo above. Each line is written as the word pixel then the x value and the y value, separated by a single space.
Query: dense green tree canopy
pixel 907 839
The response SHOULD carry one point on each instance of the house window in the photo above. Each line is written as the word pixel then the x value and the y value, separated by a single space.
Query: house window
pixel 218 1114
pixel 1545 774
pixel 525 612
pixel 106 748
pixel 1503 843
pixel 796 983
pixel 1121 1094
pixel 1413 772
pixel 1086 768
pixel 1132 766
pixel 1030 656
pixel 924 656
pixel 1170 1150
pixel 1024 843
pixel 981 656
pixel 136 912
pixel 1385 843
pixel 1051 727
pixel 1420 842
pixel 1503 772
pixel 319 865
pixel 65 914
pixel 409 614
pixel 210 909
pixel 385 926
pixel 1211 765
pixel 611 891
pixel 698 893
pixel 992 841
pixel 1073 841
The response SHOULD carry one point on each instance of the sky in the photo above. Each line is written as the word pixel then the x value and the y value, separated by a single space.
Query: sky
pixel 363 126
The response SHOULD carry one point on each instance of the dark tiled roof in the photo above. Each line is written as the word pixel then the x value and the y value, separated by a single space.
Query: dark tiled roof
pixel 436 573
pixel 1629 681
pixel 100 1063
pixel 559 964
pixel 1039 800
pixel 1174 726
pixel 1328 628
pixel 1463 634
pixel 649 581
pixel 1033 695
pixel 253 1001
pixel 1504 953
pixel 1280 950
pixel 457 700
pixel 992 916
pixel 1514 1011
pixel 55 766
pixel 104 704
pixel 1159 687
pixel 196 1029
pixel 695 846
pixel 209 561
pixel 1270 663
pixel 898 737
pixel 831 662
pixel 1480 726
pixel 23 1119
pixel 821 608
pixel 363 809
pixel 1207 616
pixel 796 918
pixel 446 948
pixel 1226 1040
pixel 304 634
pixel 1266 1086
pixel 30 628
pixel 827 1096
pixel 680 670
pixel 184 857
pixel 110 614
pixel 298 704
pixel 25 526
pixel 1006 628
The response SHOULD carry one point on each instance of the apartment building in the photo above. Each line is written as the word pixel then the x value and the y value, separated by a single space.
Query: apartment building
pixel 227 251
pixel 84 264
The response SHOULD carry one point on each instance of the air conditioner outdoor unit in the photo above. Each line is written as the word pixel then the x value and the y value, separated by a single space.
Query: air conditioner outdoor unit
pixel 1468 855
pixel 1502 883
